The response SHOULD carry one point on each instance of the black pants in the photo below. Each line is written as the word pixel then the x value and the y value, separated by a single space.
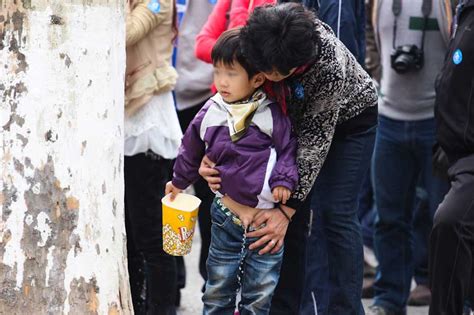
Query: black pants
pixel 452 243
pixel 287 297
pixel 202 192
pixel 145 179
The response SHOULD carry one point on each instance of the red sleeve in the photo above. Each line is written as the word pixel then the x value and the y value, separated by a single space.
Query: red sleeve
pixel 210 32
pixel 239 13
pixel 240 10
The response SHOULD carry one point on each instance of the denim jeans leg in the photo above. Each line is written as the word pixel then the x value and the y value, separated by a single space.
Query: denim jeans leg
pixel 366 211
pixel 395 177
pixel 222 264
pixel 259 280
pixel 335 200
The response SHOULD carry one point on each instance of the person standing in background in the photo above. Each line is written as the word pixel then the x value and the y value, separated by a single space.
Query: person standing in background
pixel 192 90
pixel 452 242
pixel 412 39
pixel 152 139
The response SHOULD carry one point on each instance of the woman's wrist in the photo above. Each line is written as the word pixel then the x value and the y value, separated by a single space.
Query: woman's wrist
pixel 286 211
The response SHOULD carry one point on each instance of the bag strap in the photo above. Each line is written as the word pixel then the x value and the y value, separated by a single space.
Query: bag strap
pixel 426 7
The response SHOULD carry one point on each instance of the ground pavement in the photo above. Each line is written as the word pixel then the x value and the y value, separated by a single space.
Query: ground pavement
pixel 191 296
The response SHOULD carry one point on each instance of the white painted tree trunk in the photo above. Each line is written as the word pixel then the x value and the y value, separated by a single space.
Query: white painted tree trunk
pixel 62 236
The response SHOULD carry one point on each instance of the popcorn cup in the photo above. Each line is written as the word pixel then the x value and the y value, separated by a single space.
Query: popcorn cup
pixel 179 221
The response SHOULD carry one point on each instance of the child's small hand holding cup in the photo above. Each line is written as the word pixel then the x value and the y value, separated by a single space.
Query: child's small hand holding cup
pixel 281 194
pixel 172 189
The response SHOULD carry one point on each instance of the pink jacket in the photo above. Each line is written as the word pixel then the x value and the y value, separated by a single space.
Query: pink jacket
pixel 218 22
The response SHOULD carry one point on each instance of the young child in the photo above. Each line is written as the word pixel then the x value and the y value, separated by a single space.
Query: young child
pixel 249 138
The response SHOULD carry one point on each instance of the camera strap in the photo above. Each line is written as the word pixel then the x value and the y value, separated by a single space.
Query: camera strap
pixel 426 7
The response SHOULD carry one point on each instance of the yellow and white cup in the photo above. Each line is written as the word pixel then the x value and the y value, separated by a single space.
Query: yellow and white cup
pixel 179 221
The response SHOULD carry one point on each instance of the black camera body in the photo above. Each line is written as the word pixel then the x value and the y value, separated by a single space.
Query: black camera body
pixel 407 58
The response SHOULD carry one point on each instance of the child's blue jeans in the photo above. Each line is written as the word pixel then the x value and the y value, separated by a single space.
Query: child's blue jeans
pixel 231 265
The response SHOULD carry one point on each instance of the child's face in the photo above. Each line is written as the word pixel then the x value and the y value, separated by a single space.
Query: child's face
pixel 233 83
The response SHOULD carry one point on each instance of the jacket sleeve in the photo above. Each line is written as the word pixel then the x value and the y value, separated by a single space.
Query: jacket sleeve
pixel 372 56
pixel 191 152
pixel 240 10
pixel 313 146
pixel 142 20
pixel 347 19
pixel 285 172
pixel 239 13
pixel 210 32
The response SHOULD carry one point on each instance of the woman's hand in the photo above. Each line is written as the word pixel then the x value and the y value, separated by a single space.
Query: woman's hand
pixel 210 174
pixel 272 236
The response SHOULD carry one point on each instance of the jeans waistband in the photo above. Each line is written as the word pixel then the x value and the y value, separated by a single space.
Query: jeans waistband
pixel 235 219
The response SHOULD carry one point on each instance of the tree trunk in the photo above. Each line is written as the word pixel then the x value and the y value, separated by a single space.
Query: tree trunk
pixel 62 235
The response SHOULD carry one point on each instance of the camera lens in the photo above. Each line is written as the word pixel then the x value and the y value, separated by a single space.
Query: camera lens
pixel 403 63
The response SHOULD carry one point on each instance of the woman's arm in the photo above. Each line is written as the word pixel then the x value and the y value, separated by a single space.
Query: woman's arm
pixel 142 20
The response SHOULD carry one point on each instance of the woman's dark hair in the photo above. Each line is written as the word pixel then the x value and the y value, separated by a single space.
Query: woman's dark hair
pixel 280 37
pixel 227 50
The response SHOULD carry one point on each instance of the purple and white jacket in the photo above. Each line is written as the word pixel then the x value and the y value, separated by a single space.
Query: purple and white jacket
pixel 264 158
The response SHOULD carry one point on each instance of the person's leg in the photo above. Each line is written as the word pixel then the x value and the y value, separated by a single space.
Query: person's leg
pixel 204 193
pixel 430 192
pixel 136 269
pixel 336 199
pixel 145 179
pixel 288 292
pixel 396 171
pixel 421 231
pixel 452 241
pixel 181 282
pixel 315 298
pixel 366 210
pixel 224 259
pixel 260 275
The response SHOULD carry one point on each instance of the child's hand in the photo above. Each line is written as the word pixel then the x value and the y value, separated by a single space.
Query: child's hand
pixel 281 194
pixel 170 188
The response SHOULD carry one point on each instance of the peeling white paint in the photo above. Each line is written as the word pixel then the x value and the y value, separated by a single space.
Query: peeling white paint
pixel 36 188
pixel 29 219
pixel 50 263
pixel 62 109
pixel 42 226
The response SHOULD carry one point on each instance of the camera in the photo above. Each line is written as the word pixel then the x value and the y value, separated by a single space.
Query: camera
pixel 407 58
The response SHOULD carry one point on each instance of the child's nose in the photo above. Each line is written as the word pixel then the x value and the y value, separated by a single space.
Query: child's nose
pixel 224 83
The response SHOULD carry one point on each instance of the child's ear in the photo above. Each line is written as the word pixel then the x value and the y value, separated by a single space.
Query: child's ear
pixel 258 80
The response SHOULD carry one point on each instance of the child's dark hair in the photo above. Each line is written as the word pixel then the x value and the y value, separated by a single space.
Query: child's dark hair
pixel 227 50
pixel 280 37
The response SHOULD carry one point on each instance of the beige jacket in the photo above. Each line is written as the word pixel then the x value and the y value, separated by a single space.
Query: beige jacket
pixel 149 49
